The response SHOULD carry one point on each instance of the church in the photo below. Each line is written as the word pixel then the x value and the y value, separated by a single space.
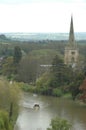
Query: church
pixel 71 54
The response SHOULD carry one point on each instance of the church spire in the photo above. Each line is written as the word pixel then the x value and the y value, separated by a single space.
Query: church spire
pixel 71 50
pixel 71 34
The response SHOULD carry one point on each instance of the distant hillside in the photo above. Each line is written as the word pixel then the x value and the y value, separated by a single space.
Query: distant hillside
pixel 44 36
pixel 3 38
pixel 40 37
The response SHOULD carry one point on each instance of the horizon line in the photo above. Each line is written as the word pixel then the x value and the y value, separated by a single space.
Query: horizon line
pixel 39 32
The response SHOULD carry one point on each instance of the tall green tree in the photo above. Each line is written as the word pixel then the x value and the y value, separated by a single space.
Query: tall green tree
pixel 17 54
pixel 8 96
pixel 61 73
pixel 8 68
pixel 28 69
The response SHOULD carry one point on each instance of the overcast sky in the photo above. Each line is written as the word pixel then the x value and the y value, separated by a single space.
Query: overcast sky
pixel 42 15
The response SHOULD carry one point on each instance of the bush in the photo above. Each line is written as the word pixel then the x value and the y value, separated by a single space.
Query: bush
pixel 27 87
pixel 57 92
pixel 59 124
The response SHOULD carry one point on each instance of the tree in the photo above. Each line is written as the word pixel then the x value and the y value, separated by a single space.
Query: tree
pixel 8 96
pixel 43 84
pixel 56 80
pixel 59 124
pixel 17 54
pixel 61 73
pixel 83 89
pixel 28 70
pixel 75 84
pixel 8 67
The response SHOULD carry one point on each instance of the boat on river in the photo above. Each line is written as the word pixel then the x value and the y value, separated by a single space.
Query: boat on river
pixel 36 106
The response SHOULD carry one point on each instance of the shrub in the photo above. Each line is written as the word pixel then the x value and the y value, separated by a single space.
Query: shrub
pixel 27 87
pixel 57 92
pixel 4 121
pixel 59 124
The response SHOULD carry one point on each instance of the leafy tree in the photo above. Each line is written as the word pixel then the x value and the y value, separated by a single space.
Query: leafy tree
pixel 11 64
pixel 28 70
pixel 17 54
pixel 8 67
pixel 43 84
pixel 8 95
pixel 61 73
pixel 53 82
pixel 83 89
pixel 59 124
pixel 75 84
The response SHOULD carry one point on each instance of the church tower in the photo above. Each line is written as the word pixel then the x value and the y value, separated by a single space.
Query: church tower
pixel 71 51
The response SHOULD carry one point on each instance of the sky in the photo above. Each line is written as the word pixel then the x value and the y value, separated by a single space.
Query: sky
pixel 42 15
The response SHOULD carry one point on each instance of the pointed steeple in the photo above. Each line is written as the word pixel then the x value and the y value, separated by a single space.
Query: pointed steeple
pixel 71 50
pixel 71 35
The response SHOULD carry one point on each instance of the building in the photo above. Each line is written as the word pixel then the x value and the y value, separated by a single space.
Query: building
pixel 71 53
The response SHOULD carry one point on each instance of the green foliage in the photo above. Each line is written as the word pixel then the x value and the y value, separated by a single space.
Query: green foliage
pixel 9 93
pixel 53 82
pixel 43 80
pixel 4 121
pixel 59 124
pixel 57 92
pixel 17 55
pixel 28 70
pixel 43 84
pixel 37 53
pixel 43 52
pixel 27 87
pixel 44 56
pixel 8 67
pixel 60 72
pixel 78 77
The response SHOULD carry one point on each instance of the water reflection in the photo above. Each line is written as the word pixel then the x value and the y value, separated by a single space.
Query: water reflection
pixel 31 119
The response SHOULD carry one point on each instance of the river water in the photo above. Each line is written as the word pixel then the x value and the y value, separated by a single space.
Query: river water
pixel 50 107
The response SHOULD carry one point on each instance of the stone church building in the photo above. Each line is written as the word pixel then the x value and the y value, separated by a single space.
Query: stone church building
pixel 71 53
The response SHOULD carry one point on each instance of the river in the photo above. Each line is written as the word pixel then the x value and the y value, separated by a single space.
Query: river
pixel 50 107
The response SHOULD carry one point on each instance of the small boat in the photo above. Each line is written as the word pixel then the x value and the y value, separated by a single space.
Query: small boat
pixel 36 106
